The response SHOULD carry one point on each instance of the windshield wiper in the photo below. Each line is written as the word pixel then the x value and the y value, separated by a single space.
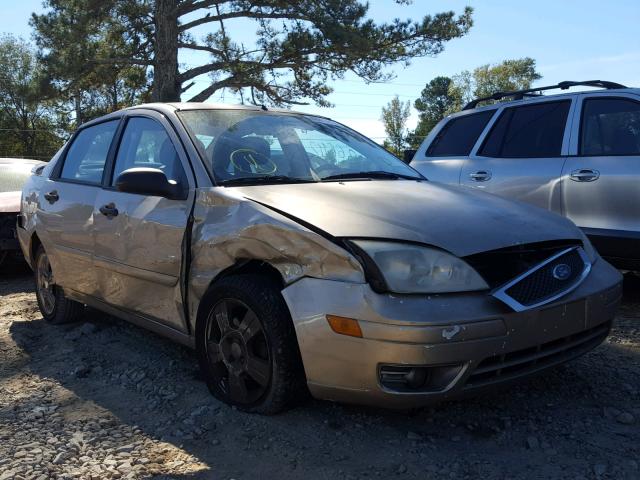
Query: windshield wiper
pixel 376 174
pixel 266 179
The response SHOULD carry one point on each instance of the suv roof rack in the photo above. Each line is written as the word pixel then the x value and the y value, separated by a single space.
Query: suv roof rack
pixel 532 92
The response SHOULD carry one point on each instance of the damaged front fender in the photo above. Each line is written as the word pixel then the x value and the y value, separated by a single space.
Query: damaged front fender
pixel 228 229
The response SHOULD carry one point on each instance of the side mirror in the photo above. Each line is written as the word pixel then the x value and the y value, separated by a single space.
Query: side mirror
pixel 407 156
pixel 149 181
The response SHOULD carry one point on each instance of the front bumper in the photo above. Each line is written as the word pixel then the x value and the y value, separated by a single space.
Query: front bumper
pixel 475 339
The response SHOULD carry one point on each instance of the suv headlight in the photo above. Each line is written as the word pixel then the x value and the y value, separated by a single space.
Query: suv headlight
pixel 410 268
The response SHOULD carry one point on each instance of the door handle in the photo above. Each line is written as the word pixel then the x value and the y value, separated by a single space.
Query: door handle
pixel 109 210
pixel 52 196
pixel 584 175
pixel 481 176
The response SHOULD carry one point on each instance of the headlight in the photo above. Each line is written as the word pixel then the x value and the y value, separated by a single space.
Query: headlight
pixel 410 268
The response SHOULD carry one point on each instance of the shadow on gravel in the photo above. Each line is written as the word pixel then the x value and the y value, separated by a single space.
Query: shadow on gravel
pixel 562 423
pixel 15 277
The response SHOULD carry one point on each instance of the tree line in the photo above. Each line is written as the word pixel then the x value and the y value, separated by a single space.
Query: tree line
pixel 92 57
pixel 445 95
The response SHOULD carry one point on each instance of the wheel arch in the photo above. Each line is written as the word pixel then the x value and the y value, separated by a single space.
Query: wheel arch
pixel 34 244
pixel 241 267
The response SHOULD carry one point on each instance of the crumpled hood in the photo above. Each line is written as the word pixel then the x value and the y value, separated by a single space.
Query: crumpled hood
pixel 10 202
pixel 460 220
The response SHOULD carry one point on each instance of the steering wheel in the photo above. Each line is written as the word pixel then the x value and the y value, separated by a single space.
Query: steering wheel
pixel 248 160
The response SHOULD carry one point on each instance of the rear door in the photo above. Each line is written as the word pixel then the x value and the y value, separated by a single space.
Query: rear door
pixel 65 207
pixel 445 150
pixel 139 238
pixel 601 179
pixel 522 155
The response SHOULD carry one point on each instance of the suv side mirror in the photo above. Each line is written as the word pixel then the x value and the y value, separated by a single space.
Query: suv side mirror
pixel 407 156
pixel 149 181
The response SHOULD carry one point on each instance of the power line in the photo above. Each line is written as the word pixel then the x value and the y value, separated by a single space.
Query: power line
pixel 340 92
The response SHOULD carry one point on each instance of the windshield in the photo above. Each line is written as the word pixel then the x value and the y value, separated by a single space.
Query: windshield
pixel 14 175
pixel 245 147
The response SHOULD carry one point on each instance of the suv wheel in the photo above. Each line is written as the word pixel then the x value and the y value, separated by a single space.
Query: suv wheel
pixel 247 346
pixel 54 306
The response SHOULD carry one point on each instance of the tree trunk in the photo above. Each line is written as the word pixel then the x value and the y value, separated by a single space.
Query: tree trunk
pixel 166 87
pixel 78 108
pixel 114 95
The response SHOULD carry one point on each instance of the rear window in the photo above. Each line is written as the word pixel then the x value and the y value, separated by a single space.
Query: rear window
pixel 531 131
pixel 87 154
pixel 610 126
pixel 459 135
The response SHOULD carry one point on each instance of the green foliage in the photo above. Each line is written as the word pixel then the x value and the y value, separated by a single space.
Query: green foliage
pixel 508 75
pixel 27 118
pixel 443 95
pixel 86 51
pixel 299 44
pixel 394 117
pixel 436 100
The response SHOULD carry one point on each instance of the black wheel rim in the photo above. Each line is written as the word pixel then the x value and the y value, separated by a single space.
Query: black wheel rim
pixel 238 352
pixel 45 285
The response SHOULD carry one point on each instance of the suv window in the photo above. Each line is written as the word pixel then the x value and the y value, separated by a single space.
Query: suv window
pixel 145 143
pixel 459 135
pixel 610 126
pixel 87 154
pixel 529 131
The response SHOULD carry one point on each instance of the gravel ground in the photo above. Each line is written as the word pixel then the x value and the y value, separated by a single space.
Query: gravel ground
pixel 104 399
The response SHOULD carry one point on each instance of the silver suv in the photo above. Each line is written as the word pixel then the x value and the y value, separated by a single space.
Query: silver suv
pixel 576 154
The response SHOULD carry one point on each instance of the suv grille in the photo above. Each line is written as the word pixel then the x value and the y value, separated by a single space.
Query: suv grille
pixel 554 277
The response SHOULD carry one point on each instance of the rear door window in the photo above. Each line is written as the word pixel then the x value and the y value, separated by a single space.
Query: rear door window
pixel 610 126
pixel 85 159
pixel 459 135
pixel 529 131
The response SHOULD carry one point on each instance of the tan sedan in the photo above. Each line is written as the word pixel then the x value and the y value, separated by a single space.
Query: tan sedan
pixel 293 253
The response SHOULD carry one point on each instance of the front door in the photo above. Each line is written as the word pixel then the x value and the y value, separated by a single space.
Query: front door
pixel 66 204
pixel 139 239
pixel 522 156
pixel 601 181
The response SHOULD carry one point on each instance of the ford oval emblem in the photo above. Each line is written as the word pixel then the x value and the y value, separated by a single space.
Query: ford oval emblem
pixel 561 271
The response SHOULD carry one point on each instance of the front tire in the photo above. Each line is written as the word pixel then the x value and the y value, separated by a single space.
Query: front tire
pixel 54 306
pixel 247 346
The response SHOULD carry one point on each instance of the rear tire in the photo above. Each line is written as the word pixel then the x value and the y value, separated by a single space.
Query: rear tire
pixel 54 306
pixel 247 346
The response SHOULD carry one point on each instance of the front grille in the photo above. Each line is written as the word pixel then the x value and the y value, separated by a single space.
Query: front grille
pixel 542 283
pixel 556 276
pixel 497 267
pixel 501 368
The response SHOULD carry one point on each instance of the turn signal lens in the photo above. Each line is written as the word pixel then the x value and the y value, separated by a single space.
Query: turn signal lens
pixel 344 326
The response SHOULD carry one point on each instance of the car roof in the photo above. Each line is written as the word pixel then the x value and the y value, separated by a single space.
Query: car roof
pixel 183 106
pixel 556 96
pixel 172 107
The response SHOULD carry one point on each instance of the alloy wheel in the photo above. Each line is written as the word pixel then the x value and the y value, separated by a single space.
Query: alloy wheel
pixel 238 352
pixel 45 284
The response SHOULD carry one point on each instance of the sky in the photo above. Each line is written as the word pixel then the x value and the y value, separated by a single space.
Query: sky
pixel 569 39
